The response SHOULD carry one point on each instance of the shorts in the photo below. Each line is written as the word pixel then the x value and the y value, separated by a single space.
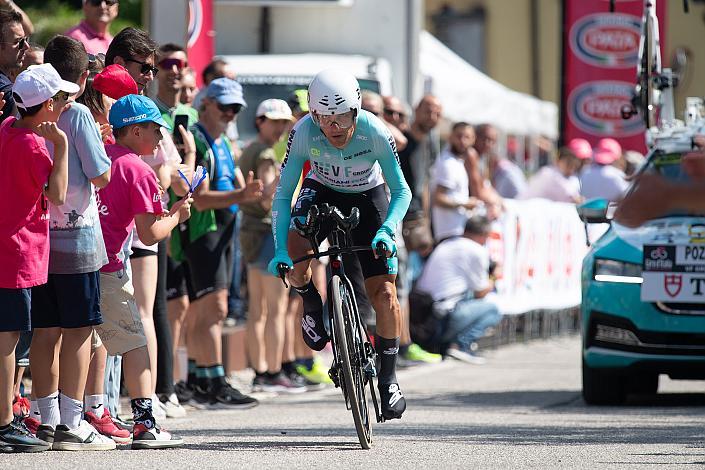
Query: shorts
pixel 122 329
pixel 22 349
pixel 141 252
pixel 373 205
pixel 67 301
pixel 16 305
pixel 266 252
pixel 178 280
pixel 210 260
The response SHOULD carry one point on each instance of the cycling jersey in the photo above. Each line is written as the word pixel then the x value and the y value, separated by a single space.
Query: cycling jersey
pixel 360 166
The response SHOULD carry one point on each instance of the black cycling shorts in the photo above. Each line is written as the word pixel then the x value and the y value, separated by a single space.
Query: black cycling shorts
pixel 178 280
pixel 210 259
pixel 373 205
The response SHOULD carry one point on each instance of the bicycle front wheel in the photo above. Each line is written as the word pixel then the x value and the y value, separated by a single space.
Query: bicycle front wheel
pixel 347 338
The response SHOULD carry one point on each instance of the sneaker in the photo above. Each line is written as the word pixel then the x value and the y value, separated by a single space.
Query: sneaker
pixel 280 383
pixel 17 438
pixel 84 437
pixel 302 381
pixel 125 424
pixel 32 424
pixel 417 354
pixel 224 394
pixel 314 331
pixel 469 357
pixel 183 391
pixel 392 401
pixel 158 408
pixel 171 405
pixel 201 399
pixel 258 382
pixel 317 374
pixel 154 438
pixel 107 427
pixel 45 432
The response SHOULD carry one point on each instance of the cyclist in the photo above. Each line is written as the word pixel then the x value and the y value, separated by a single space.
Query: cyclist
pixel 352 154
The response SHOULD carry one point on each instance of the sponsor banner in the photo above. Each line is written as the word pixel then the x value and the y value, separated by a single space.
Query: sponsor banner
pixel 200 38
pixel 540 245
pixel 600 58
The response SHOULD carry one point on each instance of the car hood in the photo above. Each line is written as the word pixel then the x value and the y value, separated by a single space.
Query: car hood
pixel 671 230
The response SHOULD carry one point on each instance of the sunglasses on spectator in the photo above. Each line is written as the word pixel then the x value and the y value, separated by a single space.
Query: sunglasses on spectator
pixel 97 3
pixel 146 68
pixel 93 58
pixel 168 64
pixel 61 96
pixel 233 108
pixel 392 112
pixel 21 42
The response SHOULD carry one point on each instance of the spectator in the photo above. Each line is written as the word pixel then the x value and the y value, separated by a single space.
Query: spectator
pixel 450 195
pixel 416 159
pixel 506 177
pixel 557 182
pixel 189 89
pixel 374 103
pixel 14 44
pixel 207 242
pixel 601 179
pixel 133 198
pixel 34 56
pixel 67 307
pixel 218 68
pixel 134 49
pixel 172 64
pixel 457 276
pixel 41 96
pixel 27 25
pixel 632 161
pixel 395 112
pixel 268 296
pixel 94 30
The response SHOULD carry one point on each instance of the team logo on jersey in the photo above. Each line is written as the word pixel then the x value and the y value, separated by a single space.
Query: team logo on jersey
pixel 393 145
pixel 289 141
pixel 315 152
pixel 608 40
pixel 595 108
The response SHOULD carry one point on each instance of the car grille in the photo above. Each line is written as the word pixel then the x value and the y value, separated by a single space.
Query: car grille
pixel 681 308
pixel 647 342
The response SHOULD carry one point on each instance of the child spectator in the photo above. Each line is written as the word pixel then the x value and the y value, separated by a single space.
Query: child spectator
pixel 28 174
pixel 133 198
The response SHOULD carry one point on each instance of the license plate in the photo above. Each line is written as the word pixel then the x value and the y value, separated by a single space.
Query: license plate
pixel 673 273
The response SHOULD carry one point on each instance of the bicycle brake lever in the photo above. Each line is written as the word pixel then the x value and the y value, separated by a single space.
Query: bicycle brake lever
pixel 283 269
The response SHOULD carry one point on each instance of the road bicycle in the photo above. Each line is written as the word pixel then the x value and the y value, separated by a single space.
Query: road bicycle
pixel 353 369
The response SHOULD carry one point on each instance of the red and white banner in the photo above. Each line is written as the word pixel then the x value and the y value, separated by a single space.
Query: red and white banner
pixel 600 53
pixel 200 36
pixel 540 246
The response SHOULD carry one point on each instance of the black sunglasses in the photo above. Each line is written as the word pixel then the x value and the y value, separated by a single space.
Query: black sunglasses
pixel 21 42
pixel 224 108
pixel 146 68
pixel 97 3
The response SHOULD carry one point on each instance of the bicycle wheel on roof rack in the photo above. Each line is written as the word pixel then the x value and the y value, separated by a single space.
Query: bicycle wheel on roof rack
pixel 648 93
pixel 348 342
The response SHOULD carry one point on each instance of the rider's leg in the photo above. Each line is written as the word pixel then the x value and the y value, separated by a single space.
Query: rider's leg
pixel 312 324
pixel 383 295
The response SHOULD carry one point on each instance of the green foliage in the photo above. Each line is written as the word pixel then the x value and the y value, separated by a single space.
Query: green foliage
pixel 51 17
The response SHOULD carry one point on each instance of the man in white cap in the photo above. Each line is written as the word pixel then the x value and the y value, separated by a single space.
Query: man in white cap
pixel 31 176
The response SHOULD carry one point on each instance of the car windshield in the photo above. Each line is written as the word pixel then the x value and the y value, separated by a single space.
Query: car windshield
pixel 257 89
pixel 669 165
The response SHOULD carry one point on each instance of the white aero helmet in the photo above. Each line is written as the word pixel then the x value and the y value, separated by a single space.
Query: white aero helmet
pixel 333 91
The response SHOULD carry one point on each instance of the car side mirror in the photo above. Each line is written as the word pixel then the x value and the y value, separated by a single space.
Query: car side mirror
pixel 595 211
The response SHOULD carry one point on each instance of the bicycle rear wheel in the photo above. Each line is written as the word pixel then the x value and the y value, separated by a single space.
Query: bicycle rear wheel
pixel 348 342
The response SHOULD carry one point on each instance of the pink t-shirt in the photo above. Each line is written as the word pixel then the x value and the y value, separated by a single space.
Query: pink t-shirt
pixel 133 190
pixel 25 166
pixel 94 42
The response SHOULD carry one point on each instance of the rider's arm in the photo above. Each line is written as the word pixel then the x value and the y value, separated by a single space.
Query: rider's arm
pixel 289 179
pixel 401 194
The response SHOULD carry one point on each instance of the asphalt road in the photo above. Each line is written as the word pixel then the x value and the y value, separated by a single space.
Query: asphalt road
pixel 521 410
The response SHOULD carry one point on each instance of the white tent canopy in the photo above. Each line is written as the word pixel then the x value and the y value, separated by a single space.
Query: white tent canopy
pixel 469 95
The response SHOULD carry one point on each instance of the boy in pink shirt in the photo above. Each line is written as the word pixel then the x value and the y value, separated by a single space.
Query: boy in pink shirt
pixel 133 199
pixel 29 178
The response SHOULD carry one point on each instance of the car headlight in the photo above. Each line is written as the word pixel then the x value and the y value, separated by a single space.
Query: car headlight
pixel 609 270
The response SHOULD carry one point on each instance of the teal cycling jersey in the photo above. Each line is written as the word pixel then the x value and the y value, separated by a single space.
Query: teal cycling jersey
pixel 368 160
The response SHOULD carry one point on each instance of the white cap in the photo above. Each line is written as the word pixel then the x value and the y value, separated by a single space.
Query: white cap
pixel 39 83
pixel 274 109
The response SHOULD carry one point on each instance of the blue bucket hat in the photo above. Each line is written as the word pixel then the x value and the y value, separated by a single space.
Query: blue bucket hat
pixel 226 91
pixel 134 109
